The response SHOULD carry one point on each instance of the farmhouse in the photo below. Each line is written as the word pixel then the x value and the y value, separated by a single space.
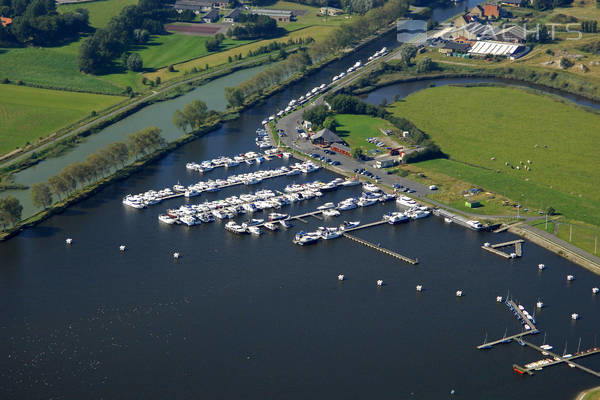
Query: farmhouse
pixel 233 16
pixel 211 16
pixel 325 137
pixel 197 6
pixel 277 15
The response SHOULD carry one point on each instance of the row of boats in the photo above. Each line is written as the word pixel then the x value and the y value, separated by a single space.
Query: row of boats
pixel 151 197
pixel 294 103
pixel 326 233
pixel 249 158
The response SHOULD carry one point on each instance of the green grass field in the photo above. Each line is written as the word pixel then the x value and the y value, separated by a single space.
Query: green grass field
pixel 593 394
pixel 52 67
pixel 164 50
pixel 474 125
pixel 28 114
pixel 355 129
pixel 101 11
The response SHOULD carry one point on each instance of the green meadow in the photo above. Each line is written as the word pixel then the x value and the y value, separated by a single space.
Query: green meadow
pixel 101 11
pixel 531 148
pixel 355 129
pixel 28 114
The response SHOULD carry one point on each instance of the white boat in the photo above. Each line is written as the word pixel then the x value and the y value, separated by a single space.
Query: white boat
pixel 331 213
pixel 369 187
pixel 307 238
pixel 326 206
pixel 574 316
pixel 419 288
pixel 475 225
pixel 341 277
pixel 255 230
pixel 459 293
pixel 235 228
pixel 349 225
pixel 255 221
pixel 380 283
pixel 398 218
pixel 164 218
pixel 365 202
pixel 271 226
pixel 595 290
pixel 188 220
pixel 447 220
pixel 191 193
pixel 69 241
pixel 350 182
pixel 285 223
pixel 570 278
pixel 277 216
pixel 541 267
pixel 417 214
pixel 345 206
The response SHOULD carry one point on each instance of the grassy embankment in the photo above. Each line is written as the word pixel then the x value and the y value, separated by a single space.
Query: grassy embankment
pixel 482 128
pixel 592 394
pixel 28 114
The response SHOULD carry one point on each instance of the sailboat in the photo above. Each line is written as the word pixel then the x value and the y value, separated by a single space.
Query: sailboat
pixel 483 345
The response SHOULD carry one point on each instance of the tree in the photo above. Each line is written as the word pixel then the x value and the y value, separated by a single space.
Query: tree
pixel 424 65
pixel 357 153
pixel 58 186
pixel 118 153
pixel 565 63
pixel 550 211
pixel 235 96
pixel 10 211
pixel 316 115
pixel 330 123
pixel 193 115
pixel 407 53
pixel 41 195
pixel 134 62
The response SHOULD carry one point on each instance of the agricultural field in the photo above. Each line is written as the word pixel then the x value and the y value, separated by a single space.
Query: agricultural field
pixel 215 59
pixel 355 129
pixel 164 50
pixel 28 114
pixel 101 11
pixel 51 67
pixel 530 148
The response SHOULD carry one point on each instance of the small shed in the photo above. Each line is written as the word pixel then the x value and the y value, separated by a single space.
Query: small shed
pixel 472 203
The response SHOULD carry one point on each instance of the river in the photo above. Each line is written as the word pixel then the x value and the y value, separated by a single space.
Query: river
pixel 258 317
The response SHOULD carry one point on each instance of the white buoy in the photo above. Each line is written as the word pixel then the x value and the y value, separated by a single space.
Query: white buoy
pixel 499 299
pixel 574 316
pixel 380 283
pixel 69 241
pixel 340 277
pixel 459 293
pixel 540 304
pixel 570 277
pixel 595 290
pixel 176 255
pixel 513 255
pixel 541 267
pixel 122 247
pixel 419 288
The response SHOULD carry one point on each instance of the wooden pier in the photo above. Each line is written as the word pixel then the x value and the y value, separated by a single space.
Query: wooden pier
pixel 494 248
pixel 507 339
pixel 560 359
pixel 381 249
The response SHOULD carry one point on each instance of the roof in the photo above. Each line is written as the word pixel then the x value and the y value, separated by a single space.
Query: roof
pixel 236 12
pixel 482 30
pixel 494 48
pixel 273 13
pixel 327 136
pixel 490 10
pixel 6 21
pixel 456 46
pixel 512 32
pixel 212 14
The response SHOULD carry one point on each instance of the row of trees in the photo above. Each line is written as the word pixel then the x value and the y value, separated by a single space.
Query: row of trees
pixel 358 28
pixel 97 166
pixel 133 25
pixel 253 26
pixel 267 78
pixel 37 22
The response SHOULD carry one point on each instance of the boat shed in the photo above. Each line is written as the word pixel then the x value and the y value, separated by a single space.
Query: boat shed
pixel 485 47
pixel 324 137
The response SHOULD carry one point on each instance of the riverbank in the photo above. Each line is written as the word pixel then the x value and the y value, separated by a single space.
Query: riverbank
pixel 118 175
pixel 589 394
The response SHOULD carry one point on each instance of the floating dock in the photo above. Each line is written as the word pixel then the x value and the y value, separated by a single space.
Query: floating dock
pixel 561 359
pixel 494 248
pixel 381 249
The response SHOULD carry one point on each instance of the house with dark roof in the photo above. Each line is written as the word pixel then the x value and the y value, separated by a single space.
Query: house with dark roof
pixel 211 16
pixel 234 15
pixel 324 137
pixel 197 6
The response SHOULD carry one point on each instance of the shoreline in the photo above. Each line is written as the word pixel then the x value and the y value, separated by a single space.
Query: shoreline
pixel 583 393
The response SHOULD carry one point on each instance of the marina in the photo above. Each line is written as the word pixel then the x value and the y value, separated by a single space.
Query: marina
pixel 248 158
pixel 220 306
